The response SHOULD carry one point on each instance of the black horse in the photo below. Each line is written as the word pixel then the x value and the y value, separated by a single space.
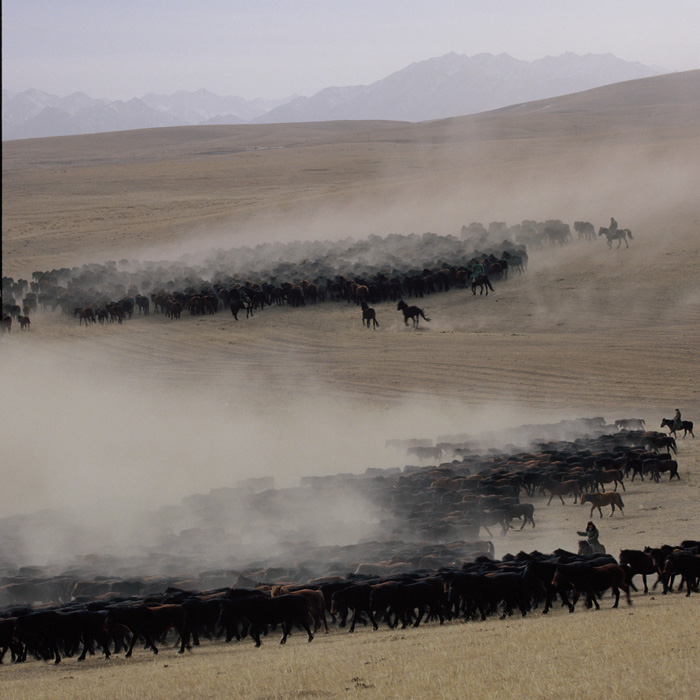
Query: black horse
pixel 685 425
pixel 412 312
pixel 482 281
pixel 369 315
pixel 238 305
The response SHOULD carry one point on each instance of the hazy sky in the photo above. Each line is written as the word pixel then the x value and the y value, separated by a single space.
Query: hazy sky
pixel 120 49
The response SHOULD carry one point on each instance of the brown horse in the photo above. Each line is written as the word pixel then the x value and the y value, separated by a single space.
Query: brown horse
pixel 24 322
pixel 607 498
pixel 610 476
pixel 86 315
pixel 561 489
pixel 412 312
pixel 317 608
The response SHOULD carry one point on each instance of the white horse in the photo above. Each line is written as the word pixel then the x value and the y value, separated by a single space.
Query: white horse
pixel 619 235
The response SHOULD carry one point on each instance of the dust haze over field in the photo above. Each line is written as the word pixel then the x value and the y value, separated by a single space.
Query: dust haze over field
pixel 114 426
pixel 109 458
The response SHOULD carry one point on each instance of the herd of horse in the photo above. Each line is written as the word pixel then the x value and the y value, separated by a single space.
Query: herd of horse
pixel 88 293
pixel 111 293
pixel 438 502
pixel 526 582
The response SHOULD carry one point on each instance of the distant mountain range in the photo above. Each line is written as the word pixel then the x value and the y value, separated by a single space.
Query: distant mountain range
pixel 448 86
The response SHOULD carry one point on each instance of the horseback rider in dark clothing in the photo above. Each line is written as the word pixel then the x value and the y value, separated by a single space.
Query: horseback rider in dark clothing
pixel 591 534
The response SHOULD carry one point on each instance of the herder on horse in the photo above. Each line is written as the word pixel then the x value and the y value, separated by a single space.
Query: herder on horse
pixel 677 421
pixel 591 534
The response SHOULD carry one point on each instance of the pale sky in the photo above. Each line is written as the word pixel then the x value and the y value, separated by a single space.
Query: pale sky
pixel 119 49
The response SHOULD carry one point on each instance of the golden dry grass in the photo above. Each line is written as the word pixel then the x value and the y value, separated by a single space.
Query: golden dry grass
pixel 646 651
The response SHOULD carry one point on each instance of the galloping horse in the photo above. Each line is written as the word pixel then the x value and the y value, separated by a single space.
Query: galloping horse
pixel 412 312
pixel 369 315
pixel 621 234
pixel 607 498
pixel 686 425
pixel 482 281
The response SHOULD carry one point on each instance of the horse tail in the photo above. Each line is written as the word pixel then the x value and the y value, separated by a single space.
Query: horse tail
pixel 619 498
pixel 629 233
pixel 423 315
pixel 488 283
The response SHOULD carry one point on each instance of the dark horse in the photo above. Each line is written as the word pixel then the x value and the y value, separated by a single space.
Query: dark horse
pixel 369 315
pixel 412 312
pixel 686 425
pixel 585 548
pixel 482 281
pixel 621 234
pixel 238 305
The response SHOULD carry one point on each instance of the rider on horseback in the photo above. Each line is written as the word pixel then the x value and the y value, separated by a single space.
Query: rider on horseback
pixel 677 422
pixel 591 534
pixel 613 225
pixel 477 269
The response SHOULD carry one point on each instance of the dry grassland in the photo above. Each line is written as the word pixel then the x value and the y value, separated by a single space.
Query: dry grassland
pixel 161 409
pixel 648 651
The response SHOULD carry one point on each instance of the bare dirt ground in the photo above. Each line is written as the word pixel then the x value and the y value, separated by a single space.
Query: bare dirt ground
pixel 154 410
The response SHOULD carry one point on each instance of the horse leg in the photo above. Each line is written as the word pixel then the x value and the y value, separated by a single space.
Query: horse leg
pixel 616 593
pixel 550 498
pixel 561 498
pixel 184 640
pixel 354 619
pixel 612 505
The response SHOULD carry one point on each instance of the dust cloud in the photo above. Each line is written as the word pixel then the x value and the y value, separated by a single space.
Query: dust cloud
pixel 102 462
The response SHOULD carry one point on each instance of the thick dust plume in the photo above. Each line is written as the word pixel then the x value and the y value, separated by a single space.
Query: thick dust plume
pixel 101 463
